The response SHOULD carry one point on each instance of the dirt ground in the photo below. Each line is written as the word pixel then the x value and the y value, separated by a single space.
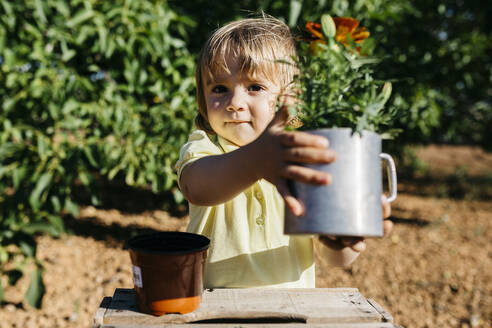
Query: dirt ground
pixel 434 270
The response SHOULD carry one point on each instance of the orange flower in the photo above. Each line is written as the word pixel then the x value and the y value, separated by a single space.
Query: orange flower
pixel 348 25
pixel 316 35
pixel 315 30
pixel 344 26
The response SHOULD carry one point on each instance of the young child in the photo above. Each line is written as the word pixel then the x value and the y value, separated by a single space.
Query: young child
pixel 236 186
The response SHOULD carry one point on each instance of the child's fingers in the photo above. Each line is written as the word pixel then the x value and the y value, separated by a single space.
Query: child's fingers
pixel 293 204
pixel 386 207
pixel 331 242
pixel 387 226
pixel 303 139
pixel 360 246
pixel 356 243
pixel 305 175
pixel 309 155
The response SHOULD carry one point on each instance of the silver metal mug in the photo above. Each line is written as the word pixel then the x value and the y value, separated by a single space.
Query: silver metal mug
pixel 351 204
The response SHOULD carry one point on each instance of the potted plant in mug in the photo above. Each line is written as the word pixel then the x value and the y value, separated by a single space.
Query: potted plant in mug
pixel 339 98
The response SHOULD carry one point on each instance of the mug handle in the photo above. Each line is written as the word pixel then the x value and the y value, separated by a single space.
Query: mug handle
pixel 391 175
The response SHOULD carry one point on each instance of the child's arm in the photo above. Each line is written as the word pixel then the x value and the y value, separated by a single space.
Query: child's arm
pixel 272 156
pixel 345 250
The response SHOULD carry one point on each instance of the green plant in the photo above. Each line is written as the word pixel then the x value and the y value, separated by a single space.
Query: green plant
pixel 335 84
pixel 88 89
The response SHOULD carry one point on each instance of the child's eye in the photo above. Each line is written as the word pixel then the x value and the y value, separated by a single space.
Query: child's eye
pixel 256 87
pixel 219 89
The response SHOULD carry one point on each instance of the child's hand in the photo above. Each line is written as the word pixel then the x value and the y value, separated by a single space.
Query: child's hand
pixel 277 151
pixel 357 244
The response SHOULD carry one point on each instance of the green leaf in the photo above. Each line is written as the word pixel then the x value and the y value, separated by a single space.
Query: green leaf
pixel 83 34
pixel 41 185
pixel 7 7
pixel 8 104
pixel 1 292
pixel 62 7
pixel 71 207
pixel 55 201
pixel 386 92
pixel 42 145
pixel 40 227
pixel 4 255
pixel 10 17
pixel 103 34
pixel 67 54
pixel 80 17
pixel 18 175
pixel 57 222
pixel 4 170
pixel 9 58
pixel 367 46
pixel 28 246
pixel 95 200
pixel 36 290
pixel 178 196
pixel 130 176
pixel 40 11
pixel 84 178
pixel 359 62
pixel 112 173
pixel 88 154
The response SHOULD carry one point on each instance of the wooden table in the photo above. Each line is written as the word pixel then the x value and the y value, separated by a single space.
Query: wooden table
pixel 254 307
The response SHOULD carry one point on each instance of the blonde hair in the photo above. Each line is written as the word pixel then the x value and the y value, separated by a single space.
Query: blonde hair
pixel 257 44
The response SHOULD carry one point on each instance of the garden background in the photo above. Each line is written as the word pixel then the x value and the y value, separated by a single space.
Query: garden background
pixel 96 97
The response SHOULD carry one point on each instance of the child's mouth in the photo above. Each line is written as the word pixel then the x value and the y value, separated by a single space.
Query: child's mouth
pixel 237 122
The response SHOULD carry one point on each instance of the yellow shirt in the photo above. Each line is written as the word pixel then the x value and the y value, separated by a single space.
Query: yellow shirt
pixel 248 247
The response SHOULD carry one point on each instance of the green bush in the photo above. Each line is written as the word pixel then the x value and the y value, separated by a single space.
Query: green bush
pixel 88 88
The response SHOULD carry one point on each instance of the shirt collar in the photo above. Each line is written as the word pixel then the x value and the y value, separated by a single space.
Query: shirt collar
pixel 226 145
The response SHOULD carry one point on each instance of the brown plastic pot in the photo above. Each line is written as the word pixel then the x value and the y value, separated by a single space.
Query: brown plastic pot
pixel 168 271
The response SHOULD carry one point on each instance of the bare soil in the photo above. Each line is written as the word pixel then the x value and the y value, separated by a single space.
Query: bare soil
pixel 434 270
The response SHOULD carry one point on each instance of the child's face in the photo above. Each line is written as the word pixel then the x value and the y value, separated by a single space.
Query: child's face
pixel 239 108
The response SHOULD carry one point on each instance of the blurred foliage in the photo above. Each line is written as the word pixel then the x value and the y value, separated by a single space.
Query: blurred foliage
pixel 438 56
pixel 105 89
pixel 87 89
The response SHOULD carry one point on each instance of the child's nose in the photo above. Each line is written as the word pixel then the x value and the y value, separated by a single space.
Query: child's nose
pixel 238 102
pixel 232 108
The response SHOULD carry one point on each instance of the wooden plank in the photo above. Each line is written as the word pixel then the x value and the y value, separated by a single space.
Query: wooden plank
pixel 261 305
pixel 264 325
pixel 387 317
pixel 101 311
